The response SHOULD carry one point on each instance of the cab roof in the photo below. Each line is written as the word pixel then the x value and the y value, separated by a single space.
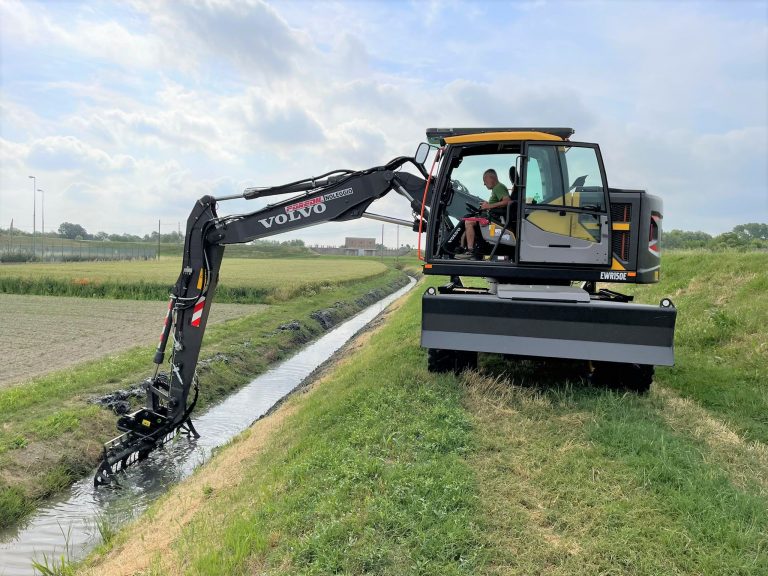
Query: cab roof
pixel 442 136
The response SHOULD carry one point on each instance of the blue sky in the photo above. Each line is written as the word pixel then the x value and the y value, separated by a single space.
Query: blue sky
pixel 127 112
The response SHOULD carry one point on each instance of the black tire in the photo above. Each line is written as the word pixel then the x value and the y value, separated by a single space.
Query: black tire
pixel 634 377
pixel 465 361
pixel 438 360
pixel 639 378
pixel 455 361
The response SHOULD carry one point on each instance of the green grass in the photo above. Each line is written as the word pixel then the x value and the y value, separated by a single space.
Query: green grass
pixel 50 434
pixel 246 281
pixel 274 251
pixel 369 477
pixel 517 469
pixel 721 340
pixel 576 480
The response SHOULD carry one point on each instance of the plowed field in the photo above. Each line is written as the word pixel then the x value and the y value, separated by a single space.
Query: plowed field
pixel 41 334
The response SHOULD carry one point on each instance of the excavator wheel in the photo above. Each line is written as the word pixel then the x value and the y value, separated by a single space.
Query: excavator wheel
pixel 633 377
pixel 455 361
pixel 639 378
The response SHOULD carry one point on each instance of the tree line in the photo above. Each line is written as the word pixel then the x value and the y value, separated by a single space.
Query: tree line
pixel 72 231
pixel 752 236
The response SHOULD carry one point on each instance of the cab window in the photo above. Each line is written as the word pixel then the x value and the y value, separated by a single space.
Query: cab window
pixel 466 180
pixel 564 176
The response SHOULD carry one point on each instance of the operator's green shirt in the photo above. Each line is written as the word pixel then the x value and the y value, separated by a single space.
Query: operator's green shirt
pixel 498 193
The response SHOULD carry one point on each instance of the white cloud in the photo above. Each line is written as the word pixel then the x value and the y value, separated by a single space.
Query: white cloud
pixel 67 153
pixel 359 144
pixel 249 34
pixel 31 24
pixel 135 110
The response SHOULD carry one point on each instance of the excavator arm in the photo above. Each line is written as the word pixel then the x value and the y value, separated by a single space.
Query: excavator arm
pixel 335 196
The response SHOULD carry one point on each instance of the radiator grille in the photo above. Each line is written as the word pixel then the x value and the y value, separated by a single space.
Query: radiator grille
pixel 621 244
pixel 621 212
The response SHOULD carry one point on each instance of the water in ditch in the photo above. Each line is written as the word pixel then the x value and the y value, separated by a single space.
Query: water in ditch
pixel 67 526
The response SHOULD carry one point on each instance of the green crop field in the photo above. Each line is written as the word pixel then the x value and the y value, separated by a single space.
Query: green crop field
pixel 519 468
pixel 241 280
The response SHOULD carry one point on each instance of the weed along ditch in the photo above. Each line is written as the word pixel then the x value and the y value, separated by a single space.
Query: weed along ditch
pixel 68 527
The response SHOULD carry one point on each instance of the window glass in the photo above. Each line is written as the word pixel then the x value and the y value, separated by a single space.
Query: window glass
pixel 467 180
pixel 585 183
pixel 534 188
pixel 564 176
pixel 543 179
pixel 470 172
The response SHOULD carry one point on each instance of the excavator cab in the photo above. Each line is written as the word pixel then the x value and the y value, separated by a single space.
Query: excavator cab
pixel 559 214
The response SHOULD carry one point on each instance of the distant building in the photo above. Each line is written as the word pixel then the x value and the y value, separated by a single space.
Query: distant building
pixel 360 246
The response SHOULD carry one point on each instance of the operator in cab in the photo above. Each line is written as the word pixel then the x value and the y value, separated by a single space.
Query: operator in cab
pixel 496 204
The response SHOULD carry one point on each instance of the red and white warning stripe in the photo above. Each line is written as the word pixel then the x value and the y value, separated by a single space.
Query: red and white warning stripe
pixel 197 313
pixel 167 319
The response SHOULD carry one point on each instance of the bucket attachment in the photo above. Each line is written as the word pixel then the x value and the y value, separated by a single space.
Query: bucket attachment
pixel 133 447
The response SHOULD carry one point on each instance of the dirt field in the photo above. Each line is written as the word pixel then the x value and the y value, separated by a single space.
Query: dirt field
pixel 40 334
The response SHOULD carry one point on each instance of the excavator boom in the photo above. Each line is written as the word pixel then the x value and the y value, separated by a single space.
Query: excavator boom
pixel 338 196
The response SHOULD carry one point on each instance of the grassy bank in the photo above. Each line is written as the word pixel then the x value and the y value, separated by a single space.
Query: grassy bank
pixel 365 474
pixel 721 341
pixel 385 468
pixel 50 434
pixel 246 281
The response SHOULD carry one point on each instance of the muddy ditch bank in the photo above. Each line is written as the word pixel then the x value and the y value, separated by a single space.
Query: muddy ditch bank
pixel 302 331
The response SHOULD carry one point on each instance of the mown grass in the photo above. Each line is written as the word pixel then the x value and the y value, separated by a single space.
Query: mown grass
pixel 246 281
pixel 272 251
pixel 520 468
pixel 576 480
pixel 721 340
pixel 370 476
pixel 50 434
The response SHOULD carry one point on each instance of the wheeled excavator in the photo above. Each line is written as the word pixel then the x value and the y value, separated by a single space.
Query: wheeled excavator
pixel 561 233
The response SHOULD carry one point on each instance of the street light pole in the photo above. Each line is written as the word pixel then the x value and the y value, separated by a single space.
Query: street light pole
pixel 34 209
pixel 42 238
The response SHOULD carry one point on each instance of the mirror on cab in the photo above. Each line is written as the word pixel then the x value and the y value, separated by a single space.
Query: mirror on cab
pixel 421 153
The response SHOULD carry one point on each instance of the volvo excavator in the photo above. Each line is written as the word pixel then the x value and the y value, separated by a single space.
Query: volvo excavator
pixel 561 233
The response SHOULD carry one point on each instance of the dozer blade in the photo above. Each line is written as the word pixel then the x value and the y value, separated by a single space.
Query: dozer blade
pixel 132 447
pixel 606 331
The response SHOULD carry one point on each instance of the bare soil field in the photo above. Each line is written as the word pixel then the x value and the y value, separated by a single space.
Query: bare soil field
pixel 41 334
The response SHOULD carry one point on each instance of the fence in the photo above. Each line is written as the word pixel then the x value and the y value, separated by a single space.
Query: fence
pixel 21 248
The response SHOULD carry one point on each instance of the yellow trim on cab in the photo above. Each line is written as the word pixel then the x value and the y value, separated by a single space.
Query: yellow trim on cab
pixel 621 225
pixel 494 136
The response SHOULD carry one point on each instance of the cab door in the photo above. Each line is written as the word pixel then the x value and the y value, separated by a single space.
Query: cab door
pixel 565 215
